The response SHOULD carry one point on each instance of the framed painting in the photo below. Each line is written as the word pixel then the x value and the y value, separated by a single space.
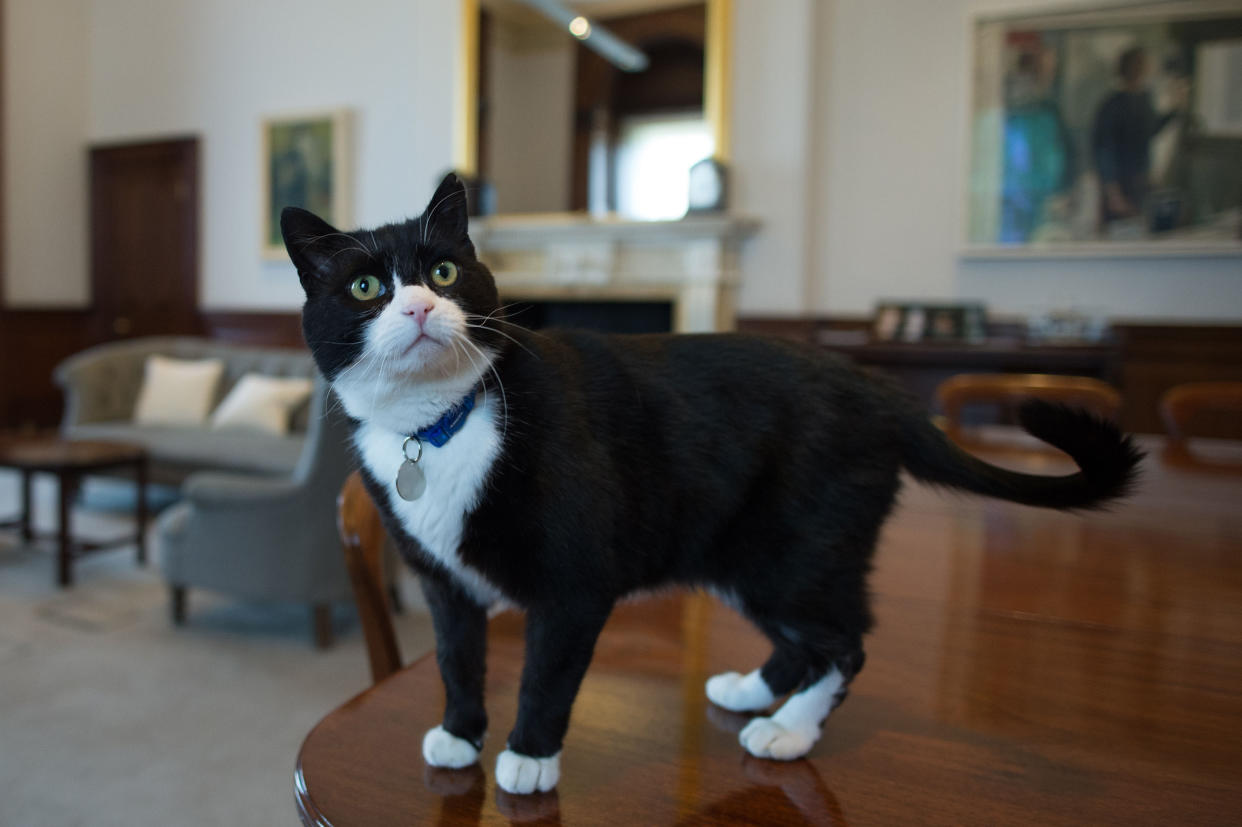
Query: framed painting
pixel 305 163
pixel 1107 130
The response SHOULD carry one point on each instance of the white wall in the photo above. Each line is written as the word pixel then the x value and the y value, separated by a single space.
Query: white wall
pixel 215 69
pixel 848 122
pixel 45 96
pixel 774 148
pixel 893 139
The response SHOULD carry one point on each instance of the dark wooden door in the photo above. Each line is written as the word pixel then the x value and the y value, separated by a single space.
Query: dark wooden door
pixel 144 238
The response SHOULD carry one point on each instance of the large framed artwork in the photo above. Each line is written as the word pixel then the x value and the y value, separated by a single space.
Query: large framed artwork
pixel 306 163
pixel 1110 130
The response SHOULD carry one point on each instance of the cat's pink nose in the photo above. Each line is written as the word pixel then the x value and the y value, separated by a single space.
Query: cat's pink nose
pixel 418 308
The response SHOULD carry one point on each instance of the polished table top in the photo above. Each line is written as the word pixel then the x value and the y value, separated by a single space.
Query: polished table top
pixel 54 453
pixel 1027 667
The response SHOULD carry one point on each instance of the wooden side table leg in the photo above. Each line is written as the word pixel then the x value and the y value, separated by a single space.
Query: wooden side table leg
pixel 321 619
pixel 27 531
pixel 64 554
pixel 177 604
pixel 140 479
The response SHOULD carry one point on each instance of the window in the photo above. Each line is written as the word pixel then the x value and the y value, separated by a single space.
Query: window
pixel 654 156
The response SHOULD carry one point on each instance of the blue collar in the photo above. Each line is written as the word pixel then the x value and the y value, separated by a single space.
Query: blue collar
pixel 453 421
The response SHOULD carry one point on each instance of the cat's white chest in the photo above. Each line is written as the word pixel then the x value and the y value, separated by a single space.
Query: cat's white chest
pixel 456 473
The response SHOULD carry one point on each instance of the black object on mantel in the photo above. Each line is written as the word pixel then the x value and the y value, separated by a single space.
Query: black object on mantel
pixel 709 187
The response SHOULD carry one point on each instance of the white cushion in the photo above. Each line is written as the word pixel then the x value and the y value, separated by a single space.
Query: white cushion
pixel 177 391
pixel 261 403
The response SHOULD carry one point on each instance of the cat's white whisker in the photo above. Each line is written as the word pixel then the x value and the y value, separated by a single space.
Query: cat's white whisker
pixel 457 352
pixel 455 338
pixel 504 397
pixel 357 244
pixel 430 214
pixel 502 333
pixel 378 382
pixel 492 317
pixel 458 336
pixel 483 320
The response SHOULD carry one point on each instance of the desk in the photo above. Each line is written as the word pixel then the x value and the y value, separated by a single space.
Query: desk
pixel 1026 667
pixel 921 367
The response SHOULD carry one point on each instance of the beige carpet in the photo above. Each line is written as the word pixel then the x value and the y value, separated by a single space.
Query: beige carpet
pixel 109 715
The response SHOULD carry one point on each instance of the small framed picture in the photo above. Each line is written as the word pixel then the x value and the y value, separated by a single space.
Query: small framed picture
pixel 888 322
pixel 923 322
pixel 305 163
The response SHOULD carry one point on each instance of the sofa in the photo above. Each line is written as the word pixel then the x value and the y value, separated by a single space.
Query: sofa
pixel 256 512
pixel 101 388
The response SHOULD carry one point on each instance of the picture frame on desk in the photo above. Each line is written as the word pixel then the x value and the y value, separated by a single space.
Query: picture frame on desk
pixel 929 322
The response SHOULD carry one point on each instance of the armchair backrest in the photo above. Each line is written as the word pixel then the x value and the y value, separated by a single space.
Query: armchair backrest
pixel 326 457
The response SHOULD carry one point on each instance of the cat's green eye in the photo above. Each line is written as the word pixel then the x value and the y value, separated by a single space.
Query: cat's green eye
pixel 444 273
pixel 365 288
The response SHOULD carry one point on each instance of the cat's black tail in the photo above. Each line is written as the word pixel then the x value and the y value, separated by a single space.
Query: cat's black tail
pixel 1107 459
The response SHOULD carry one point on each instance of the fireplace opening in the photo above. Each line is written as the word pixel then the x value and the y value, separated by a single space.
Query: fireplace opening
pixel 602 316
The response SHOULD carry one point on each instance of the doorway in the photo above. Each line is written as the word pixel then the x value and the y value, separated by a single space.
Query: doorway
pixel 144 238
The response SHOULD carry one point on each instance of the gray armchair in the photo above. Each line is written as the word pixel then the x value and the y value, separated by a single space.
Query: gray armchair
pixel 265 537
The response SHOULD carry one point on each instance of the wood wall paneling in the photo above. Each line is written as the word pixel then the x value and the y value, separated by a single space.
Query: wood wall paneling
pixel 1145 361
pixel 1154 358
pixel 34 341
pixel 32 344
pixel 260 329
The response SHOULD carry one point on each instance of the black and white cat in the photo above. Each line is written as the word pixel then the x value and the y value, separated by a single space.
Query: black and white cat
pixel 559 472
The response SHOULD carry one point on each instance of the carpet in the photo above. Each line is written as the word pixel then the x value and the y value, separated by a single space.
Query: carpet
pixel 110 715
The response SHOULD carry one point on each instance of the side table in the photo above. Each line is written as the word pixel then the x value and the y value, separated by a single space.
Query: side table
pixel 70 461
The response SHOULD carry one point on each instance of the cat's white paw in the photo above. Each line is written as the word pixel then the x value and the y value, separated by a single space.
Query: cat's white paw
pixel 517 773
pixel 766 738
pixel 443 749
pixel 739 693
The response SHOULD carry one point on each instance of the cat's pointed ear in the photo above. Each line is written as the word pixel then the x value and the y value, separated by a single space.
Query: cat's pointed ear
pixel 447 215
pixel 310 240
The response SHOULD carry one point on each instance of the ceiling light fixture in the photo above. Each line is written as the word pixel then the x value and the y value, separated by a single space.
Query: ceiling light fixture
pixel 580 28
pixel 612 48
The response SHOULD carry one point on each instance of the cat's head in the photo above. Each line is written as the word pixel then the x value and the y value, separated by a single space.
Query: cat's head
pixel 398 310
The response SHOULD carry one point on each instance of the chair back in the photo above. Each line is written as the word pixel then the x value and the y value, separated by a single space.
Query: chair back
pixel 325 458
pixel 956 392
pixel 1182 404
pixel 362 538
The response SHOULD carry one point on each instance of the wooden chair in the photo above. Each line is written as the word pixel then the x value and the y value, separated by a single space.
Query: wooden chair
pixel 362 535
pixel 956 392
pixel 1182 404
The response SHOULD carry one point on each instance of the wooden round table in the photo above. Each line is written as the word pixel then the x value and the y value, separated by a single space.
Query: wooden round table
pixel 70 461
pixel 1027 666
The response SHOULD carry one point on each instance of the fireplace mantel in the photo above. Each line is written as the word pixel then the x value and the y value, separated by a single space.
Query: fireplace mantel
pixel 692 263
